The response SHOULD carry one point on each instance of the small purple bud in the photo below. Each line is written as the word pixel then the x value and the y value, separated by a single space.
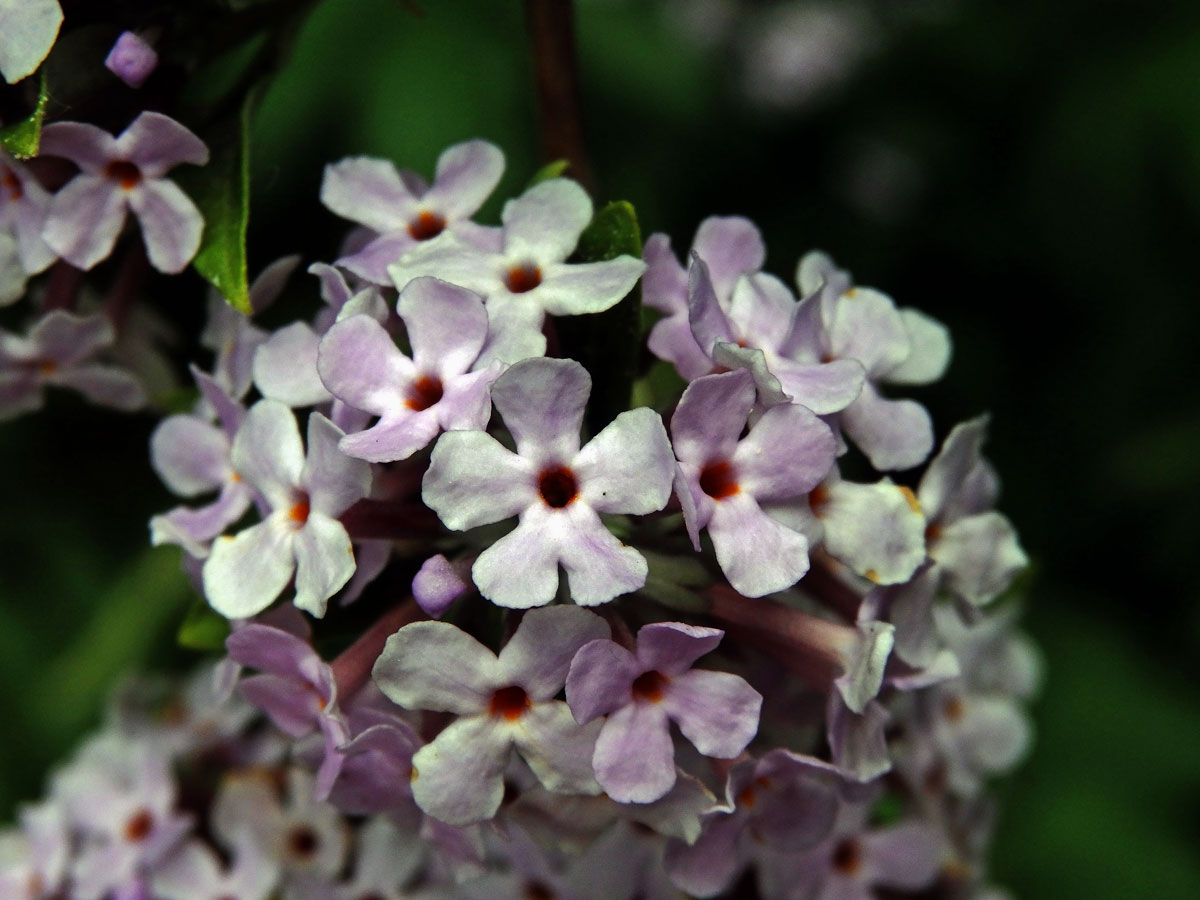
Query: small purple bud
pixel 131 59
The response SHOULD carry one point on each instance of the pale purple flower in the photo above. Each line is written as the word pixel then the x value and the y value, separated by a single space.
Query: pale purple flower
pixel 642 692
pixel 528 276
pixel 28 29
pixel 415 399
pixel 894 346
pixel 301 536
pixel 731 247
pixel 556 488
pixel 121 174
pixel 403 210
pixel 195 872
pixel 23 206
pixel 131 59
pixel 784 456
pixel 502 702
pixel 60 351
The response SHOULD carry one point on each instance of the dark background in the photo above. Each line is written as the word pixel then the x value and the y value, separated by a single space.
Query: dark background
pixel 1027 172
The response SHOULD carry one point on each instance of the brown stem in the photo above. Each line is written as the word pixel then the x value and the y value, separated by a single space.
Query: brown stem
pixel 62 287
pixel 352 667
pixel 387 520
pixel 822 583
pixel 130 276
pixel 551 26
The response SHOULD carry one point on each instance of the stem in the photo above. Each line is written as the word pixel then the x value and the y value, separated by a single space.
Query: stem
pixel 823 584
pixel 352 667
pixel 551 26
pixel 62 287
pixel 383 519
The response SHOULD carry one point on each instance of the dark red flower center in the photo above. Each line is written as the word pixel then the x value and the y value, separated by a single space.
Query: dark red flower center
pixel 124 172
pixel 558 486
pixel 12 184
pixel 509 702
pixel 424 392
pixel 303 842
pixel 139 826
pixel 523 278
pixel 649 686
pixel 718 480
pixel 426 225
pixel 300 510
pixel 847 857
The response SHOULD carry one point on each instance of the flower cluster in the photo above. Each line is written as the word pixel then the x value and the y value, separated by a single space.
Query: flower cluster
pixel 659 652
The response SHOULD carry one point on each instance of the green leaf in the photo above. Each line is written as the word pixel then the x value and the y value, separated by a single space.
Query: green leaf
pixel 21 138
pixel 222 192
pixel 549 170
pixel 202 628
pixel 608 344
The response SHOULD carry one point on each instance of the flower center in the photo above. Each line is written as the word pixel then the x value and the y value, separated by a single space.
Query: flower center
pixel 718 480
pixel 954 709
pixel 536 890
pixel 424 392
pixel 558 486
pixel 847 857
pixel 12 184
pixel 426 225
pixel 523 278
pixel 300 510
pixel 818 500
pixel 509 702
pixel 139 826
pixel 649 686
pixel 303 842
pixel 124 172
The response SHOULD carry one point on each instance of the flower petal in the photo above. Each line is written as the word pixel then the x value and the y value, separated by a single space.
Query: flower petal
pixel 466 175
pixel 458 778
pixel 84 220
pixel 244 574
pixel 542 402
pixel 446 324
pixel 171 224
pixel 539 654
pixel 474 480
pixel 757 554
pixel 324 562
pixel 369 191
pixel 628 467
pixel 157 143
pixel 433 665
pixel 716 711
pixel 543 224
pixel 635 757
pixel 285 367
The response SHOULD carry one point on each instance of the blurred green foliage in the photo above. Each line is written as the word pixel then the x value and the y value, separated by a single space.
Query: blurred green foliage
pixel 1048 213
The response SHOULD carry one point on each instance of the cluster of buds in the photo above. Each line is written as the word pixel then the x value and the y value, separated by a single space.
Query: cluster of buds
pixel 664 653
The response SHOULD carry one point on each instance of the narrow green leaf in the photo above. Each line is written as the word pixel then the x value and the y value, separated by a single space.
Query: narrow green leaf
pixel 202 628
pixel 21 138
pixel 222 192
pixel 550 170
pixel 608 344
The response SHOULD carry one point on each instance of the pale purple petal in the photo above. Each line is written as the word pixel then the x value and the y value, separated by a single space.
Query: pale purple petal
pixel 458 779
pixel 664 286
pixel 762 309
pixel 372 261
pixel 131 59
pixel 627 467
pixel 359 363
pixel 20 392
pixel 906 856
pixel 368 191
pixel 544 224
pixel 557 749
pixel 580 288
pixel 285 367
pixel 857 743
pixel 89 147
pixel 446 324
pixel 291 708
pixel 244 574
pixel 947 473
pixel 731 246
pixel 672 647
pixel 324 562
pixel 710 417
pixel 707 318
pixel 157 143
pixel 539 654
pixel 979 556
pixel 876 529
pixel 894 434
pixel 600 678
pixel 451 259
pixel 333 480
pixel 105 385
pixel 635 757
pixel 514 330
pixel 706 868
pixel 599 567
pixel 521 569
pixel 864 665
pixel 189 454
pixel 716 711
pixel 474 480
pixel 393 439
pixel 930 353
pixel 671 339
pixel 193 528
pixel 757 554
pixel 867 327
pixel 466 175
pixel 437 584
pixel 754 361
pixel 824 388
pixel 787 453
pixel 542 402
pixel 84 220
pixel 433 665
pixel 267 452
pixel 171 223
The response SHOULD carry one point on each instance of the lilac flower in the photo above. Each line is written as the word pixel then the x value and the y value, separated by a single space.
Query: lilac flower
pixel 23 206
pixel 194 872
pixel 403 210
pixel 28 29
pixel 414 398
pixel 895 346
pixel 785 455
pixel 501 702
pixel 557 489
pixel 528 276
pixel 131 59
pixel 60 351
pixel 119 174
pixel 730 247
pixel 768 333
pixel 642 692
pixel 301 536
